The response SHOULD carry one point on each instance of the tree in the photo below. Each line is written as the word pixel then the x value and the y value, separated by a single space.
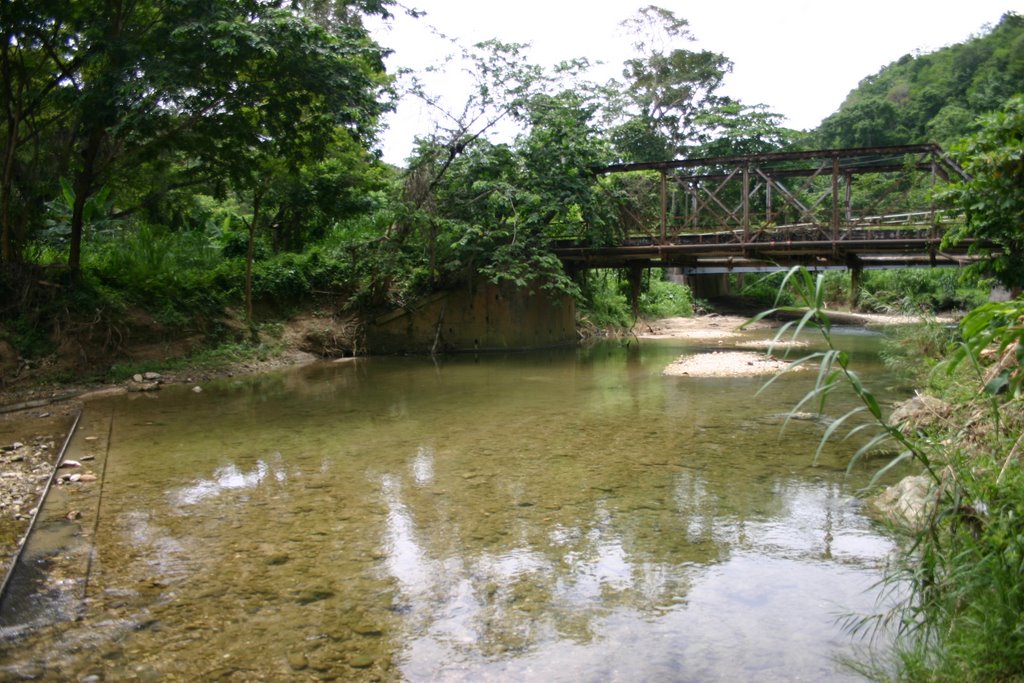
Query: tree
pixel 870 122
pixel 667 88
pixel 477 206
pixel 143 80
pixel 552 190
pixel 669 105
pixel 502 80
pixel 290 92
pixel 732 128
pixel 33 69
pixel 992 199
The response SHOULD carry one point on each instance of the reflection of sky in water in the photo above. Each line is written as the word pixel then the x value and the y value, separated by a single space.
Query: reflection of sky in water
pixel 727 630
pixel 164 553
pixel 229 477
pixel 608 526
pixel 423 465
pixel 761 612
pixel 406 560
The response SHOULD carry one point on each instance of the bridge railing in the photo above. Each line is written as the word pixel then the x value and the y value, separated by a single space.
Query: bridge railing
pixel 820 195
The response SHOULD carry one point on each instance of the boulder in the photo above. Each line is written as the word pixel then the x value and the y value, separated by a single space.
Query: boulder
pixel 920 412
pixel 907 503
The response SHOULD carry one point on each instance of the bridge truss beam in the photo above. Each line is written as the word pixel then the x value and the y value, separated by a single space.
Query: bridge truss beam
pixel 871 207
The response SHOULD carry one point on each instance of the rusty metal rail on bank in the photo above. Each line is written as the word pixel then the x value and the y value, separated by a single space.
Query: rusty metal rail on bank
pixel 838 206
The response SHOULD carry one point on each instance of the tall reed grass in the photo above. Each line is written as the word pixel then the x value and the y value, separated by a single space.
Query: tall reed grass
pixel 958 579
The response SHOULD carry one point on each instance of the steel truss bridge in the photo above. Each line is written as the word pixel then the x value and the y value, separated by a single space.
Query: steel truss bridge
pixel 849 208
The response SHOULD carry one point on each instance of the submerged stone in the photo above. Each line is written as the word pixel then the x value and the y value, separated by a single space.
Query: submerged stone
pixel 360 661
pixel 314 595
pixel 368 630
pixel 297 661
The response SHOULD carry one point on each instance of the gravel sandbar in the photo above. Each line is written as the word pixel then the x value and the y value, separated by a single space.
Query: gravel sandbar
pixel 725 364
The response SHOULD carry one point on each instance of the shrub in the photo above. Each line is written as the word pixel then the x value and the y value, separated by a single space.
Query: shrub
pixel 604 300
pixel 919 289
pixel 603 303
pixel 914 350
pixel 663 299
pixel 764 290
pixel 169 273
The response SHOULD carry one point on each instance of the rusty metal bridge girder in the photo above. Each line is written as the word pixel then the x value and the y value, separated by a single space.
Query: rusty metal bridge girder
pixel 745 208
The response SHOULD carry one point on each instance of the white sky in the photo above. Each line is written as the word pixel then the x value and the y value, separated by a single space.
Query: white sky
pixel 799 57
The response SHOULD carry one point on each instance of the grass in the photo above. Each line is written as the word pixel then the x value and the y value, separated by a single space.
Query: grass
pixel 913 351
pixel 214 358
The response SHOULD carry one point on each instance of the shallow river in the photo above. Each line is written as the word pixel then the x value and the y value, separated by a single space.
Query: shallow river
pixel 569 515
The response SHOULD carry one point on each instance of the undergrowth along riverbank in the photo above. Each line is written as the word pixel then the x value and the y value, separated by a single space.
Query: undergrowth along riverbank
pixel 958 579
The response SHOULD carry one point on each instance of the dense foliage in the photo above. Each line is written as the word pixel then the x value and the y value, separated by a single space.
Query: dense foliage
pixel 135 108
pixel 992 198
pixel 933 97
pixel 898 291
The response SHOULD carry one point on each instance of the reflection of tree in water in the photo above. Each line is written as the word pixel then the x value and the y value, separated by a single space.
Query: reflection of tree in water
pixel 517 578
pixel 527 535
pixel 478 515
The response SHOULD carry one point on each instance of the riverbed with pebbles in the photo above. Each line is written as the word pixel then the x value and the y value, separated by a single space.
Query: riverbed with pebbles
pixel 29 447
pixel 30 438
pixel 726 364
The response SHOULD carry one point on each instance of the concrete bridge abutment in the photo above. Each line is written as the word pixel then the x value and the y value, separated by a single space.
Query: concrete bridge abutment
pixel 708 286
pixel 484 317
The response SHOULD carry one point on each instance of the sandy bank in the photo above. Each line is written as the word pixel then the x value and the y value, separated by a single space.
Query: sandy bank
pixel 739 356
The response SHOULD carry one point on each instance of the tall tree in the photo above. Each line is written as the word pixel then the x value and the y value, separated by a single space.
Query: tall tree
pixel 34 67
pixel 667 87
pixel 501 81
pixel 288 91
pixel 478 201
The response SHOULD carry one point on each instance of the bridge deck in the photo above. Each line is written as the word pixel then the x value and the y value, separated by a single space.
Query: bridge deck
pixel 859 248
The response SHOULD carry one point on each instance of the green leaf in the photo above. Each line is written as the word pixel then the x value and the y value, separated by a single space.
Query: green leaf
pixel 867 448
pixel 831 430
pixel 792 366
pixel 901 458
pixel 872 404
pixel 998 383
pixel 67 192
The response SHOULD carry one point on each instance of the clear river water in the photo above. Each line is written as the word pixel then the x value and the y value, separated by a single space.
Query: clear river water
pixel 565 515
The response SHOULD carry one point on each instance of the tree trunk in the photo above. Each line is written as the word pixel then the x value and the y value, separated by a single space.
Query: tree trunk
pixel 257 200
pixel 432 243
pixel 7 250
pixel 77 223
pixel 84 186
pixel 13 126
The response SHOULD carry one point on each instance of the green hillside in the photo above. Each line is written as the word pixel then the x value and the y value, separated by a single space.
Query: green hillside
pixel 934 97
